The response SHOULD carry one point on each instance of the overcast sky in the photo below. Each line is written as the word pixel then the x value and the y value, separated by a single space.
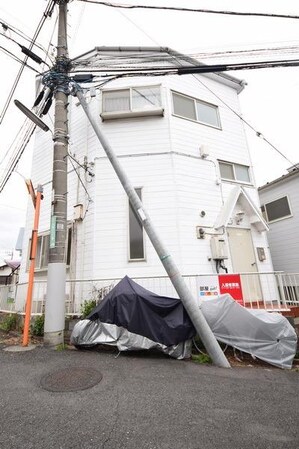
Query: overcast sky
pixel 269 102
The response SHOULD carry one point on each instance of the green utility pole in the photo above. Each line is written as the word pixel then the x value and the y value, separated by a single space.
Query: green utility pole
pixel 57 80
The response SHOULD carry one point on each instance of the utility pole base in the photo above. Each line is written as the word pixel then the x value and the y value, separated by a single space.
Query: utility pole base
pixel 52 339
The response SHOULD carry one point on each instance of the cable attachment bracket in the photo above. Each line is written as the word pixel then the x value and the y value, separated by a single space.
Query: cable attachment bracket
pixel 57 81
pixel 61 2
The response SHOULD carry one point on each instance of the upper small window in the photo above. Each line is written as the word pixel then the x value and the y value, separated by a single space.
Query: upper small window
pixel 194 109
pixel 132 102
pixel 276 210
pixel 234 172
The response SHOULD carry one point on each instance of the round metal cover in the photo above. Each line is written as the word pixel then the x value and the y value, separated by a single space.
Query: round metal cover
pixel 71 379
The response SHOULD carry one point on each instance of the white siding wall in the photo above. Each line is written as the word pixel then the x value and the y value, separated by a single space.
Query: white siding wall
pixel 284 234
pixel 176 187
pixel 154 175
pixel 227 143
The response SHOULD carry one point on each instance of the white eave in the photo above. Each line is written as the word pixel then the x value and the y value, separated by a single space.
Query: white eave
pixel 177 60
pixel 238 194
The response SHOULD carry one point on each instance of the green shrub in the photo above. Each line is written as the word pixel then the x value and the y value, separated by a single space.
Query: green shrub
pixel 86 307
pixel 37 328
pixel 201 358
pixel 9 323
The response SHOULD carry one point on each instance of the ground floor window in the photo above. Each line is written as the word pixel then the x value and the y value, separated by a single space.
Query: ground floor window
pixel 136 241
pixel 42 250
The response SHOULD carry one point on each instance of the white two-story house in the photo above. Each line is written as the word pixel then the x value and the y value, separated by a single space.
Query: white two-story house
pixel 182 143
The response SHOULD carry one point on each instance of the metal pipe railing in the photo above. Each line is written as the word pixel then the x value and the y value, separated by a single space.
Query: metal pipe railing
pixel 267 290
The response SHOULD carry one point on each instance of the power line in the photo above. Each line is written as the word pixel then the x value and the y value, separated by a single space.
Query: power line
pixel 18 60
pixel 20 33
pixel 257 133
pixel 47 13
pixel 81 182
pixel 189 69
pixel 205 11
pixel 25 50
pixel 85 168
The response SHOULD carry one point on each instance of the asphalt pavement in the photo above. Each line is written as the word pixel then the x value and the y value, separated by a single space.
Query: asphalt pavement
pixel 143 401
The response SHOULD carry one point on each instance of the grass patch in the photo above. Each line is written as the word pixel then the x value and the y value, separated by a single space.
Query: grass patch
pixel 61 347
pixel 201 358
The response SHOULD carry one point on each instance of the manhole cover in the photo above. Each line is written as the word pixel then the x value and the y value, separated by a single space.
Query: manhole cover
pixel 71 379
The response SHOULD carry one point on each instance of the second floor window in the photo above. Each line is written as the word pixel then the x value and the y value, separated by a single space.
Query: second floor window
pixel 234 172
pixel 197 110
pixel 142 100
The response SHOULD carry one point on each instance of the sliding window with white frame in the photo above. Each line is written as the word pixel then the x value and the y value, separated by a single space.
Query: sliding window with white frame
pixel 230 171
pixel 131 102
pixel 195 110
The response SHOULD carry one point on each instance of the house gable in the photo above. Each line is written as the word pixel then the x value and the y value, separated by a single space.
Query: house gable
pixel 239 198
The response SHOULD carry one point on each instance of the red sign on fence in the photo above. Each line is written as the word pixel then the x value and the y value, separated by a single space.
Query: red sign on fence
pixel 231 283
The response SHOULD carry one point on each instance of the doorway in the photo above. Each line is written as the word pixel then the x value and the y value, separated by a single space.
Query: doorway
pixel 243 261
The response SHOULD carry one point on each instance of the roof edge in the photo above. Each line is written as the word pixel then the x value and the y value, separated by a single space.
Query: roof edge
pixel 237 83
pixel 280 179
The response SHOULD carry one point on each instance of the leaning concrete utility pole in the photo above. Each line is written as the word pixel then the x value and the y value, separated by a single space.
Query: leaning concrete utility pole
pixel 189 302
pixel 57 81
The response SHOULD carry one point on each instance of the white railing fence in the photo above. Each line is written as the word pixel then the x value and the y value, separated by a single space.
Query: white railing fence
pixel 275 291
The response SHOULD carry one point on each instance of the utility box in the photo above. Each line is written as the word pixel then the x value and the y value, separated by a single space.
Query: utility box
pixel 218 248
pixel 78 212
pixel 261 254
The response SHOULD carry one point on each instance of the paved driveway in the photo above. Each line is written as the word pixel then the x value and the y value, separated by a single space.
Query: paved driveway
pixel 145 402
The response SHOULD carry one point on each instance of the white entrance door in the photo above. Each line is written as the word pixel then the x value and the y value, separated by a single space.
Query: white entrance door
pixel 243 261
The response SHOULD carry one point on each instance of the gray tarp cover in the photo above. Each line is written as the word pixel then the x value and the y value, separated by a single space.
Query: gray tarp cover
pixel 268 336
pixel 88 333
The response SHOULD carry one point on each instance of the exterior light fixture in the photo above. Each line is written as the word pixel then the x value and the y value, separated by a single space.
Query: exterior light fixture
pixel 33 117
pixel 239 216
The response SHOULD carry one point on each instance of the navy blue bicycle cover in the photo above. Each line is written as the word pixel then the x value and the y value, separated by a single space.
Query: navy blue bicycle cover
pixel 159 318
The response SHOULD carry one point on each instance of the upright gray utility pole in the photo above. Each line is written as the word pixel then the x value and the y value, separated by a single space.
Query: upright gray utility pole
pixel 57 80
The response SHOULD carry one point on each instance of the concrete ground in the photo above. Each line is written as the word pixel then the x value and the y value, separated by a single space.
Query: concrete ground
pixel 145 402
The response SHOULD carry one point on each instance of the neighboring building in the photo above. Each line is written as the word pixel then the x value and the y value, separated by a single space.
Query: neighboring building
pixel 5 254
pixel 280 207
pixel 9 272
pixel 10 261
pixel 185 152
pixel 5 272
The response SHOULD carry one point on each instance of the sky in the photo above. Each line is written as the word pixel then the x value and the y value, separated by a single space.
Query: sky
pixel 269 101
